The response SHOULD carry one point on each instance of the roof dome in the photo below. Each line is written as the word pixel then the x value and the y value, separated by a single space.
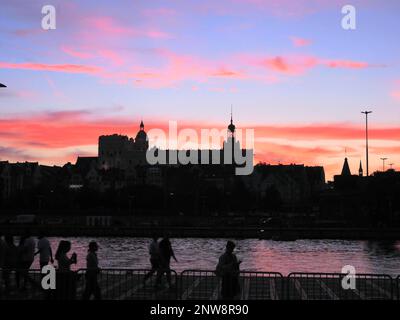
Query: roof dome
pixel 141 135
pixel 231 126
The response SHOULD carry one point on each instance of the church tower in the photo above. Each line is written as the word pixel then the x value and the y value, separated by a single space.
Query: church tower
pixel 141 140
pixel 230 145
pixel 360 170
pixel 231 130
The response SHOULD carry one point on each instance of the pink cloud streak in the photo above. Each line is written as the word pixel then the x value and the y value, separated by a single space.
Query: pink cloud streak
pixel 68 68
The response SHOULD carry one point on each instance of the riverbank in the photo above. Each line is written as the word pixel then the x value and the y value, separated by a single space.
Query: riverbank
pixel 281 234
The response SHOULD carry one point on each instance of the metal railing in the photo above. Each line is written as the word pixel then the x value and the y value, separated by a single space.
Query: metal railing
pixel 329 286
pixel 205 285
pixel 134 284
pixel 142 284
pixel 21 284
pixel 113 284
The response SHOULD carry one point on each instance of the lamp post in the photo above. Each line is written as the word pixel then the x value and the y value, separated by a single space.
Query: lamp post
pixel 383 163
pixel 366 138
pixel 391 166
pixel 3 85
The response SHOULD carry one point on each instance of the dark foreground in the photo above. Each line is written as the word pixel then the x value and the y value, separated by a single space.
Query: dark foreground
pixel 129 284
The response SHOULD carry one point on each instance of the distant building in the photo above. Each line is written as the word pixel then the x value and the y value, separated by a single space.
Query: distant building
pixel 292 183
pixel 122 152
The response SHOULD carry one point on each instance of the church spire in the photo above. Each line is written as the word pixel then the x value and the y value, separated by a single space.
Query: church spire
pixel 360 170
pixel 231 127
pixel 346 168
pixel 141 125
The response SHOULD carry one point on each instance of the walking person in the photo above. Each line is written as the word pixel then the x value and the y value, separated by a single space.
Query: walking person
pixel 44 251
pixel 154 253
pixel 10 260
pixel 166 252
pixel 26 256
pixel 66 279
pixel 228 270
pixel 2 257
pixel 92 270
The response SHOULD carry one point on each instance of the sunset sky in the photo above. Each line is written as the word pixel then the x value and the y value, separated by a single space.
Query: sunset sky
pixel 289 69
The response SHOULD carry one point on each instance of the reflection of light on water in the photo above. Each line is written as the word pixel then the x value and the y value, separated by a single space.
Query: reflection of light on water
pixel 257 255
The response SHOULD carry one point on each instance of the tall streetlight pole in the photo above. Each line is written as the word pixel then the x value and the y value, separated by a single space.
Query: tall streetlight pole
pixel 391 165
pixel 366 138
pixel 383 163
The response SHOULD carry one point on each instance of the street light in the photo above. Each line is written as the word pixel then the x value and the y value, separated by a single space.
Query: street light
pixel 366 137
pixel 383 165
pixel 391 165
pixel 3 85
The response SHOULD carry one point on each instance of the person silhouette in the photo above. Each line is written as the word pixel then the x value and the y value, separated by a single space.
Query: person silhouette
pixel 166 252
pixel 228 270
pixel 44 251
pixel 26 256
pixel 10 260
pixel 154 253
pixel 66 280
pixel 3 247
pixel 92 270
pixel 2 251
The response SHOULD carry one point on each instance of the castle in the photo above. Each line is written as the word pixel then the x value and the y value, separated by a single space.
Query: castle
pixel 121 152
pixel 124 153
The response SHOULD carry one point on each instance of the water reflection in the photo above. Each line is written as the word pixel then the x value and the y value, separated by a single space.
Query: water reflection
pixel 257 255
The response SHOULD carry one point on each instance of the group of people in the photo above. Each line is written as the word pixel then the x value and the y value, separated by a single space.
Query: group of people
pixel 160 260
pixel 19 258
pixel 228 267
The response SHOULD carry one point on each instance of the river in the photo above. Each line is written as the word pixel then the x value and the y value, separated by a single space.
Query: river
pixel 257 255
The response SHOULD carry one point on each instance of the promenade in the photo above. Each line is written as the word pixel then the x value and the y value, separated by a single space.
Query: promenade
pixel 129 284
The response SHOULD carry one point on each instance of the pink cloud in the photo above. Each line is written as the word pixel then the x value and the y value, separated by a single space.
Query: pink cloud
pixel 227 73
pixel 396 91
pixel 347 64
pixel 76 53
pixel 289 65
pixel 112 56
pixel 108 26
pixel 300 42
pixel 173 68
pixel 396 95
pixel 159 12
pixel 299 64
pixel 69 68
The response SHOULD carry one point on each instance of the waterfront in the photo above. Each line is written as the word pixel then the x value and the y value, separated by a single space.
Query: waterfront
pixel 257 255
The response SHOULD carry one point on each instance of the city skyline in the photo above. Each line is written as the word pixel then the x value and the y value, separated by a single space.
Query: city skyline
pixel 106 67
